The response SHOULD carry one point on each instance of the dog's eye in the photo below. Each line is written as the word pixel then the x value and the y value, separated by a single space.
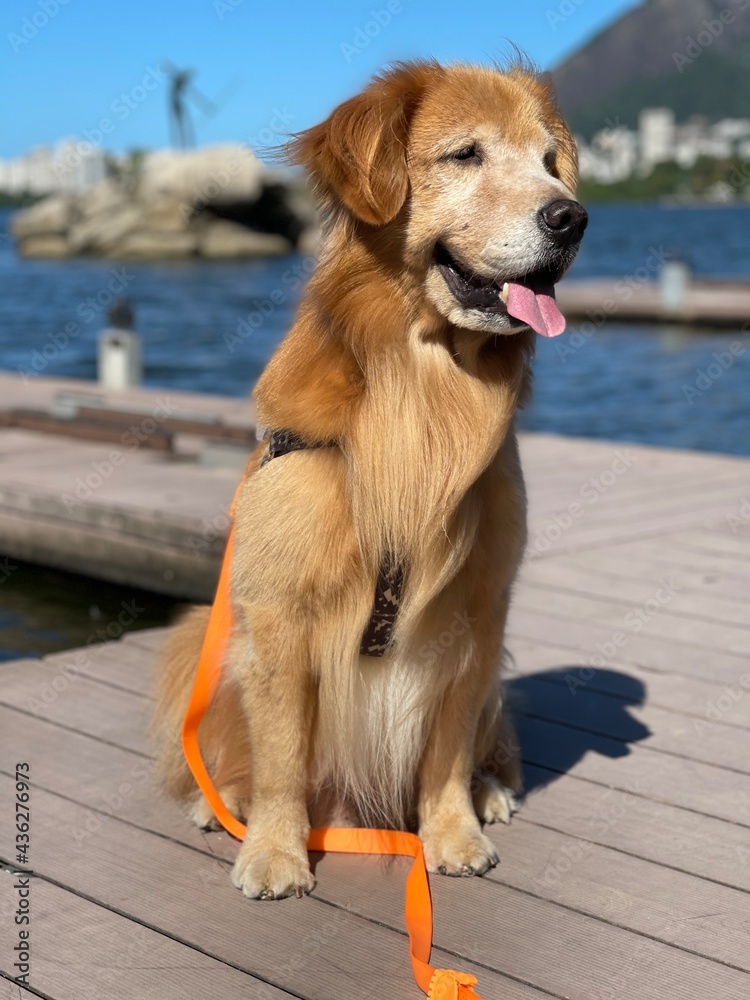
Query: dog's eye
pixel 550 163
pixel 467 153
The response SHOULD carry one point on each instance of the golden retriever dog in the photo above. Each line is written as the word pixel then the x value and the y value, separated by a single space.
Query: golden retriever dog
pixel 398 511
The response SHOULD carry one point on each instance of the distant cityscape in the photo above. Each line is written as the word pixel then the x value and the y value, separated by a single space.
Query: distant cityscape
pixel 71 166
pixel 615 157
pixel 617 154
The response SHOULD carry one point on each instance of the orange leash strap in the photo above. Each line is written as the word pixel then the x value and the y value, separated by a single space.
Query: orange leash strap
pixel 438 984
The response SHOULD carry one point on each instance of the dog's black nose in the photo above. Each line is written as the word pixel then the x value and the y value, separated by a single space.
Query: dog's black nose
pixel 564 221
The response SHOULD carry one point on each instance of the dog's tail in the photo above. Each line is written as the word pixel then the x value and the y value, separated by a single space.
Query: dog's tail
pixel 224 733
pixel 174 681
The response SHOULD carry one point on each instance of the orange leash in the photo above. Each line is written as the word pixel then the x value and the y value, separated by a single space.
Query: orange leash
pixel 438 984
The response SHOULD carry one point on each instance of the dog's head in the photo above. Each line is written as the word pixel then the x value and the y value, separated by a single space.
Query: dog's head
pixel 477 169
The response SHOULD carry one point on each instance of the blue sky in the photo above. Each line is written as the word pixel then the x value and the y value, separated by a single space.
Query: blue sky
pixel 270 67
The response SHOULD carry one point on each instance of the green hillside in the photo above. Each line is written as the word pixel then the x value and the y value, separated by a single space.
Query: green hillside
pixel 717 86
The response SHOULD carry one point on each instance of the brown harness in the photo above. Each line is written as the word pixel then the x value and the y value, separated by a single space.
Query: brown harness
pixel 378 635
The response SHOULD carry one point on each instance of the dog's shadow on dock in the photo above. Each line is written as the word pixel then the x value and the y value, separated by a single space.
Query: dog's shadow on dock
pixel 563 714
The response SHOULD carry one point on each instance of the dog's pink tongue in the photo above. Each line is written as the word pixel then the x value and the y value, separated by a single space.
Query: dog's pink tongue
pixel 536 309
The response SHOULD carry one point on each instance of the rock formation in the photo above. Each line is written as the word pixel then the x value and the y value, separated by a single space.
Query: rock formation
pixel 217 202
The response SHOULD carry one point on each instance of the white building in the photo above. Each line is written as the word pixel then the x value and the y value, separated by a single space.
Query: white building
pixel 611 157
pixel 71 166
pixel 656 131
pixel 615 154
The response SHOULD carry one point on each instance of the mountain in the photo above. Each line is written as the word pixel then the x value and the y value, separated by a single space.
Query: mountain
pixel 690 55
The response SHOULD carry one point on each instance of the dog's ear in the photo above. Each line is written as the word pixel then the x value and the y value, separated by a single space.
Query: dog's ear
pixel 358 155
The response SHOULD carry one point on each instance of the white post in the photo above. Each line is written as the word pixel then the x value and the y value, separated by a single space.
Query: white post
pixel 674 283
pixel 120 349
pixel 119 359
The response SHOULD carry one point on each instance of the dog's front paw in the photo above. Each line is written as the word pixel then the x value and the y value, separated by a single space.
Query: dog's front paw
pixel 458 852
pixel 271 872
pixel 493 802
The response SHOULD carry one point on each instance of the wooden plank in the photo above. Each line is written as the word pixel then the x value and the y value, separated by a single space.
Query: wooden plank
pixel 679 559
pixel 74 765
pixel 685 911
pixel 549 453
pixel 336 880
pixel 700 916
pixel 112 555
pixel 82 951
pixel 705 303
pixel 149 638
pixel 623 564
pixel 110 780
pixel 42 392
pixel 623 592
pixel 621 819
pixel 696 497
pixel 305 946
pixel 656 620
pixel 632 720
pixel 716 542
pixel 689 696
pixel 564 479
pixel 214 428
pixel 689 784
pixel 557 949
pixel 125 665
pixel 102 773
pixel 594 645
pixel 87 429
pixel 591 533
pixel 630 495
pixel 121 718
pixel 634 473
pixel 70 699
pixel 13 991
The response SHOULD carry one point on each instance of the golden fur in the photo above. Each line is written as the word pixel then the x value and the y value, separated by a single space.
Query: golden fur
pixel 420 396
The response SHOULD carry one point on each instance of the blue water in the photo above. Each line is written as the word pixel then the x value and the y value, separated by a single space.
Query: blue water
pixel 625 382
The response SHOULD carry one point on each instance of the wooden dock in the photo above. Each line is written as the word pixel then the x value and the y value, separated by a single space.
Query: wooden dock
pixel 626 875
pixel 158 520
pixel 634 299
pixel 117 509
